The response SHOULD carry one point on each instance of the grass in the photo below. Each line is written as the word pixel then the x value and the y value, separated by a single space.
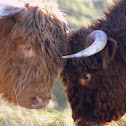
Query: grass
pixel 17 116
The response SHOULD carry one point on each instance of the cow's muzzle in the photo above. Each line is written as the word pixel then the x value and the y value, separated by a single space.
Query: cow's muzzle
pixel 38 102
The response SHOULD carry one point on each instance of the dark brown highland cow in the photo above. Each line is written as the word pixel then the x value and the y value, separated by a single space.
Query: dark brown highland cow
pixel 96 85
pixel 32 41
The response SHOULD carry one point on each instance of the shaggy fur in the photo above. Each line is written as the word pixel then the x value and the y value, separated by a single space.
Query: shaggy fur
pixel 23 78
pixel 103 99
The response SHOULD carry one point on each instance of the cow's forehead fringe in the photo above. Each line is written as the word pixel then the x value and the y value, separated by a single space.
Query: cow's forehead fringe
pixel 42 17
pixel 43 23
pixel 46 27
pixel 51 7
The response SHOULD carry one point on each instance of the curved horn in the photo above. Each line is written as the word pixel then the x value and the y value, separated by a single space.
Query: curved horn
pixel 99 43
pixel 11 8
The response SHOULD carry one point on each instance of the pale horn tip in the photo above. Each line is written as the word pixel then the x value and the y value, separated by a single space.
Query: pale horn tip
pixel 64 57
pixel 70 56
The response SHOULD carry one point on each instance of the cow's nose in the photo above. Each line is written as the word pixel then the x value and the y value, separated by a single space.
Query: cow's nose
pixel 38 102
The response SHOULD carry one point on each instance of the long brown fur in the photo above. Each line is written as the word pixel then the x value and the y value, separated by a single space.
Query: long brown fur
pixel 103 99
pixel 23 78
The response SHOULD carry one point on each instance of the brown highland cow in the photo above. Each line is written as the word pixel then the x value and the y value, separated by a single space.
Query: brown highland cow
pixel 32 41
pixel 96 81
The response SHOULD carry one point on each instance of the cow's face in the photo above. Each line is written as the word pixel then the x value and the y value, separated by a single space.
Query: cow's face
pixel 25 77
pixel 32 41
pixel 84 78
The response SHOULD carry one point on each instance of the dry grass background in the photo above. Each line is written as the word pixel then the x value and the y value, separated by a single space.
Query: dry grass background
pixel 17 116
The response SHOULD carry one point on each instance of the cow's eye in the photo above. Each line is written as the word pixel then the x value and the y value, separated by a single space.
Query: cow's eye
pixel 86 76
pixel 27 48
pixel 85 79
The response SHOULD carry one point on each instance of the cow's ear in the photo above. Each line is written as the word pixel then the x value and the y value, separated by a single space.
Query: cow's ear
pixel 108 52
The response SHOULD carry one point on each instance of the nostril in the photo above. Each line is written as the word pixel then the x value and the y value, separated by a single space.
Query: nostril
pixel 37 102
pixel 77 123
pixel 34 101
